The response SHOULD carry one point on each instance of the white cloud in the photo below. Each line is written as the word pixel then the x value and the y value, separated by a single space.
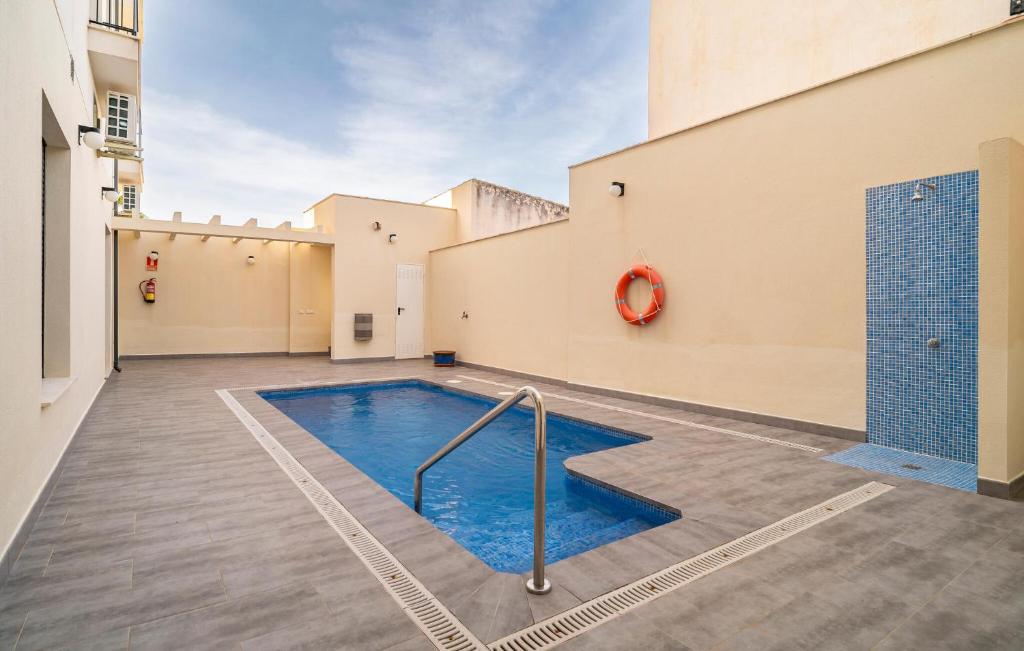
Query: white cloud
pixel 202 163
pixel 433 97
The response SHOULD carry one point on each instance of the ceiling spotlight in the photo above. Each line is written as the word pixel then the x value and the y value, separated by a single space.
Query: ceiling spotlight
pixel 90 136
pixel 110 194
pixel 617 189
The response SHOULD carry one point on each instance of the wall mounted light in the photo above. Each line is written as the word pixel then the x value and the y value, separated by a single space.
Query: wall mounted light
pixel 392 238
pixel 110 194
pixel 617 189
pixel 251 260
pixel 90 136
pixel 375 226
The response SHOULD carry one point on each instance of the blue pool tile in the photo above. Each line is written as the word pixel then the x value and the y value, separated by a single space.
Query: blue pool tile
pixel 954 474
pixel 922 282
pixel 482 494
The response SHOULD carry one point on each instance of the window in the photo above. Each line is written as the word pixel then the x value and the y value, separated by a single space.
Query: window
pixel 120 117
pixel 128 198
pixel 55 247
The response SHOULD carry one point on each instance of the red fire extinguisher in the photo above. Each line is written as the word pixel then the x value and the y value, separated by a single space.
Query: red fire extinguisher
pixel 148 290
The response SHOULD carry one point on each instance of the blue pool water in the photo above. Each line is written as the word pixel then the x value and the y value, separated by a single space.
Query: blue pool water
pixel 482 493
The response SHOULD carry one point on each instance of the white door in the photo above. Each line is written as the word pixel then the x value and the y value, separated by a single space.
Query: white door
pixel 409 312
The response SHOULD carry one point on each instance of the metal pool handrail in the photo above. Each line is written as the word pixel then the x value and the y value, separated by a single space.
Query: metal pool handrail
pixel 538 584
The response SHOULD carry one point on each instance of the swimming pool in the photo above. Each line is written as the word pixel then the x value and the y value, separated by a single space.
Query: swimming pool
pixel 482 493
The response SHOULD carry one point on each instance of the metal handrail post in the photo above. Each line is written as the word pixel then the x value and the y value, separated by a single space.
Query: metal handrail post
pixel 538 584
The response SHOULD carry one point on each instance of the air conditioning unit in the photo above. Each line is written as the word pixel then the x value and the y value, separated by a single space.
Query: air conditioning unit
pixel 121 118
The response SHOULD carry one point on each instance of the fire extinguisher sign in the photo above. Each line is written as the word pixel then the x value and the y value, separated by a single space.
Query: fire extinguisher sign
pixel 152 260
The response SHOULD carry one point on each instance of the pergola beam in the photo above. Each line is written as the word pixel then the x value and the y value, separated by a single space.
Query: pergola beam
pixel 216 229
pixel 214 221
pixel 177 219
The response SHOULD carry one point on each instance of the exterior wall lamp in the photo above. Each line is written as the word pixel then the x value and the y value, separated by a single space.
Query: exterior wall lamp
pixel 392 238
pixel 251 260
pixel 617 189
pixel 90 136
pixel 375 226
pixel 110 194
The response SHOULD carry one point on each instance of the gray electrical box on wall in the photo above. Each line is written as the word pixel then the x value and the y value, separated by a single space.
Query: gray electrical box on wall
pixel 363 327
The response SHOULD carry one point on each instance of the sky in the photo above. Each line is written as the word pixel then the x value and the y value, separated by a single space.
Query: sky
pixel 260 108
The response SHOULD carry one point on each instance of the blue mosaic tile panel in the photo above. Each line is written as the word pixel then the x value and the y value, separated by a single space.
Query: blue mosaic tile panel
pixel 922 283
pixel 955 474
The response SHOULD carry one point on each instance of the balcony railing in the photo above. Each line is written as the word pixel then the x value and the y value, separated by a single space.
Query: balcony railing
pixel 120 15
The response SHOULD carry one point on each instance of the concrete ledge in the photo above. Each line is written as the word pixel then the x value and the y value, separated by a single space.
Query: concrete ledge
pixel 1004 490
pixel 53 388
pixel 710 410
pixel 360 360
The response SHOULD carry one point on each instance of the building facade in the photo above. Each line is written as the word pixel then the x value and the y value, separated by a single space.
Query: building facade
pixel 69 67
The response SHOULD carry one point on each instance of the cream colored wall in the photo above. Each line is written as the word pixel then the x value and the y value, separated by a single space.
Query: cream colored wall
pixel 710 58
pixel 34 51
pixel 365 263
pixel 1001 313
pixel 1015 338
pixel 756 222
pixel 310 299
pixel 211 301
pixel 514 288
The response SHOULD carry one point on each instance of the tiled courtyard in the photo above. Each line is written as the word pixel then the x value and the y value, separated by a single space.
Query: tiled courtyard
pixel 171 527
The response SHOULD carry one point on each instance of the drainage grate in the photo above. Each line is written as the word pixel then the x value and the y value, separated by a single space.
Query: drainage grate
pixel 667 419
pixel 444 630
pixel 595 612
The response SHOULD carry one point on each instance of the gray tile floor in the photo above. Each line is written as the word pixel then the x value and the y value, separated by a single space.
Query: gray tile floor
pixel 170 527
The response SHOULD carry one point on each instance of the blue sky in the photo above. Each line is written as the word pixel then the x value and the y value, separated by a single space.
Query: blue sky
pixel 258 109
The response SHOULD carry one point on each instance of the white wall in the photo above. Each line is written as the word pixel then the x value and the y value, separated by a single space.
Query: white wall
pixel 35 50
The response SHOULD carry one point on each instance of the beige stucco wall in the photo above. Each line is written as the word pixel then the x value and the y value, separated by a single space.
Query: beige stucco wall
pixel 514 288
pixel 1015 330
pixel 211 301
pixel 710 58
pixel 310 299
pixel 485 209
pixel 1001 313
pixel 756 222
pixel 364 264
pixel 34 64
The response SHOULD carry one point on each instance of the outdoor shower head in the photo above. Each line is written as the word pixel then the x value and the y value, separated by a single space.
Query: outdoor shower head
pixel 917 190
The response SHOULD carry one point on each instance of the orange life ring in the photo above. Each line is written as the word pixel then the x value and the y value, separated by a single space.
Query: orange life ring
pixel 657 298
